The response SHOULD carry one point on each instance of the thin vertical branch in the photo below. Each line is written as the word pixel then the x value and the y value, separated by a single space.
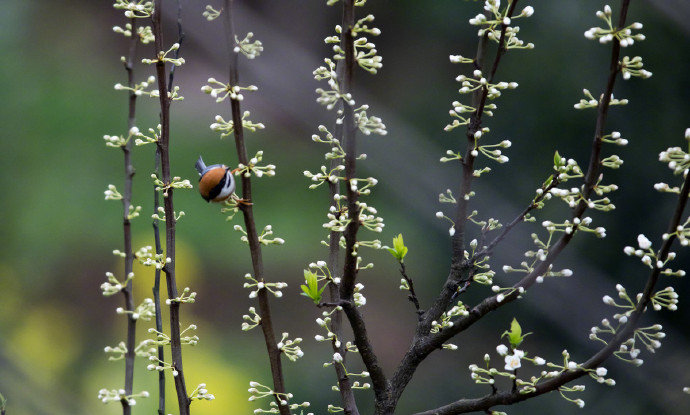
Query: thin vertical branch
pixel 156 231
pixel 349 138
pixel 164 146
pixel 347 396
pixel 252 236
pixel 126 204
pixel 157 290
pixel 413 295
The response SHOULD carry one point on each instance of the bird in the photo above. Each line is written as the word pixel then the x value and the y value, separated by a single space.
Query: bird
pixel 216 182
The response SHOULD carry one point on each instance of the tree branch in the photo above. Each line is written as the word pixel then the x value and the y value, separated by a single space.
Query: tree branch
pixel 252 236
pixel 163 145
pixel 156 231
pixel 126 204
pixel 361 339
pixel 507 398
pixel 459 271
pixel 424 343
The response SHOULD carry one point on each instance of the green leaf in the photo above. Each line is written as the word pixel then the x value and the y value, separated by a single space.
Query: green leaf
pixel 311 289
pixel 515 336
pixel 558 160
pixel 399 249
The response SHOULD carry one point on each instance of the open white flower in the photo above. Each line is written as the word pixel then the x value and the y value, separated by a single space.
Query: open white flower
pixel 513 361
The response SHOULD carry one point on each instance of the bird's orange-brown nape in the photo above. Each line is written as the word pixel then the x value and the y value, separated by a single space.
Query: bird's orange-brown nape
pixel 209 180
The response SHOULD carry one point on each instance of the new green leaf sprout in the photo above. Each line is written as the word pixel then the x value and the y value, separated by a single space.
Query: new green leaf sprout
pixel 311 289
pixel 399 249
pixel 515 336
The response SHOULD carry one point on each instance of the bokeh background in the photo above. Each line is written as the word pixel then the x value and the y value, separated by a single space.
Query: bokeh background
pixel 58 64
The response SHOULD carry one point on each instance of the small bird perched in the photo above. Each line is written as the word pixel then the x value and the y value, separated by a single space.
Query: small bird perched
pixel 216 182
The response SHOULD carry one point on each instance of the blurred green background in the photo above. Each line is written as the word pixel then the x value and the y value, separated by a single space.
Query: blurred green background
pixel 59 63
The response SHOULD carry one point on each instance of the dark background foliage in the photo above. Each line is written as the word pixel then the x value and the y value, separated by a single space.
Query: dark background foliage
pixel 59 62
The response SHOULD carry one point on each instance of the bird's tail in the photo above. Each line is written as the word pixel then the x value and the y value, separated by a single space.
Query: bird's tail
pixel 200 165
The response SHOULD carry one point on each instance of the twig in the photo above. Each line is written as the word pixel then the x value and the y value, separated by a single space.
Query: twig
pixel 126 204
pixel 331 304
pixel 247 211
pixel 479 100
pixel 163 145
pixel 413 296
pixel 521 217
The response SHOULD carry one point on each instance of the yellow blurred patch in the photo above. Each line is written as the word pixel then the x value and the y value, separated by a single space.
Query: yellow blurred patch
pixel 229 384
pixel 46 342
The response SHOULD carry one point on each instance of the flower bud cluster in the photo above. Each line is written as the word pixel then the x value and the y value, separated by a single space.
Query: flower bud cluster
pixel 163 57
pixel 146 256
pixel 259 391
pixel 119 395
pixel 273 287
pixel 144 33
pixel 678 160
pixel 624 35
pixel 201 393
pixel 225 128
pixel 248 47
pixel 646 254
pixel 633 67
pixel 144 311
pixel 113 285
pixel 331 97
pixel 614 138
pixel 491 151
pixel 498 21
pixel 222 91
pixel 135 9
pixel 210 13
pixel 160 365
pixel 369 124
pixel 459 309
pixel 141 88
pixel 666 298
pixel 290 347
pixel 175 183
pixel 591 102
pixel 187 296
pixel 143 139
pixel 251 320
pixel 365 51
pixel 253 167
pixel 112 193
pixel 325 323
